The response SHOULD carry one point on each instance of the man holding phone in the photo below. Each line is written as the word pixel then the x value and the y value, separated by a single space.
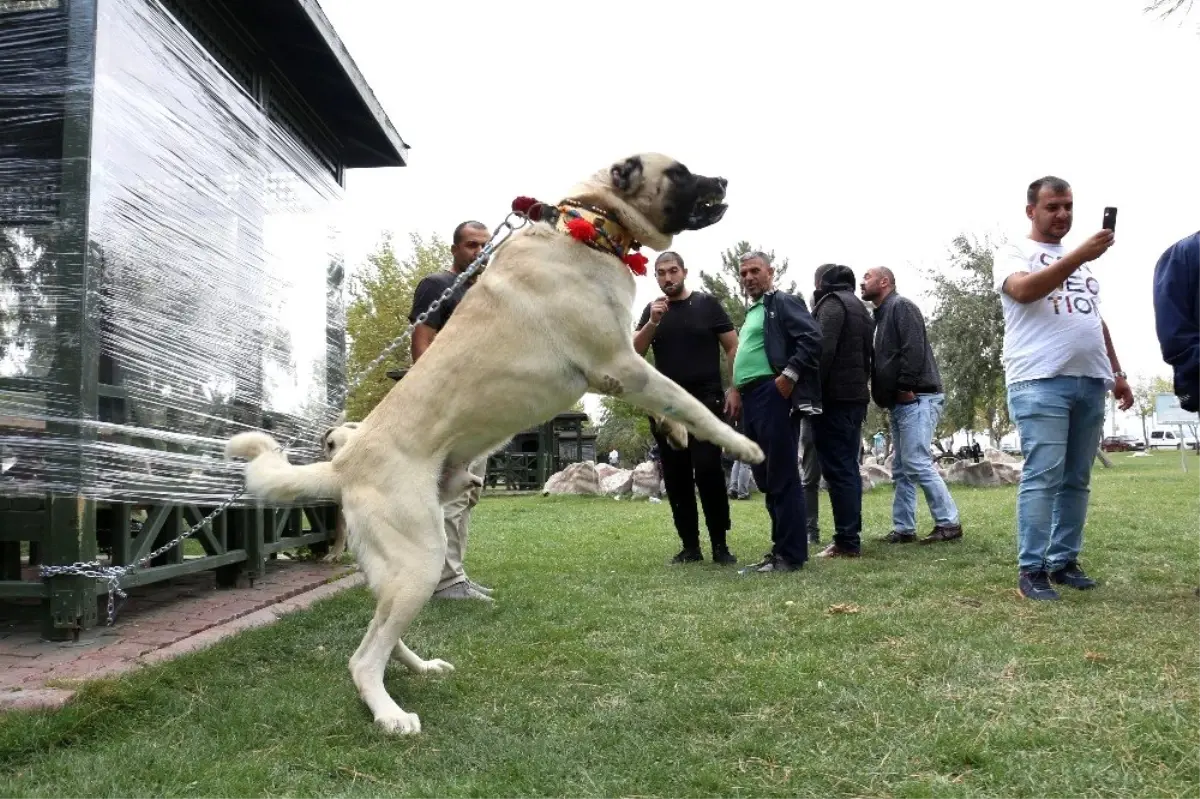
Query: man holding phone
pixel 687 331
pixel 1059 363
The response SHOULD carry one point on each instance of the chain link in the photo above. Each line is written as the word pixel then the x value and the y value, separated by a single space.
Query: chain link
pixel 112 575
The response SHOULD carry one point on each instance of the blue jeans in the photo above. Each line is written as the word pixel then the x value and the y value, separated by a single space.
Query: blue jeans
pixel 1060 420
pixel 912 431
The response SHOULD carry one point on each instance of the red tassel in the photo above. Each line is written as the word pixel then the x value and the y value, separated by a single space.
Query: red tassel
pixel 581 229
pixel 521 205
pixel 636 263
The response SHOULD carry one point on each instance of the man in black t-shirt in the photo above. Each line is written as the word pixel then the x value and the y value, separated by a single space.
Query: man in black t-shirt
pixel 469 240
pixel 687 330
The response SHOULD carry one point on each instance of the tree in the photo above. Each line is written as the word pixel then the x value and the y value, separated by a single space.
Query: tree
pixel 1144 394
pixel 625 428
pixel 966 331
pixel 381 299
pixel 1167 8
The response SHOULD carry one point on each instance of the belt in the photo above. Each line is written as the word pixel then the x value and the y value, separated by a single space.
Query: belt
pixel 755 383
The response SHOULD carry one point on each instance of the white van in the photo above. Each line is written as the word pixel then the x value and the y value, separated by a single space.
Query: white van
pixel 1164 439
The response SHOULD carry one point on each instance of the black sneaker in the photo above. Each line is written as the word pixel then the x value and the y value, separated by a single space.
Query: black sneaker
pixel 895 537
pixel 688 555
pixel 773 564
pixel 1036 585
pixel 1072 575
pixel 723 556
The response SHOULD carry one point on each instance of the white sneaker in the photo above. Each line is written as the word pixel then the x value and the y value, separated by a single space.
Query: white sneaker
pixel 461 590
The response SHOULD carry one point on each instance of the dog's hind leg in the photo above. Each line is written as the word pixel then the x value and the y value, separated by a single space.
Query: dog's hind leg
pixel 403 575
pixel 416 664
pixel 647 388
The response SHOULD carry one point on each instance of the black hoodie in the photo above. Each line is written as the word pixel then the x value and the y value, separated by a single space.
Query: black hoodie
pixel 847 333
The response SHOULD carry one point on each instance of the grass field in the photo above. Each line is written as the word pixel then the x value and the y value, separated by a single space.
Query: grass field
pixel 600 671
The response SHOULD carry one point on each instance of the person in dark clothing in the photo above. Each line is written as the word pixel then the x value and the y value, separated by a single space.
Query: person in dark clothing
pixel 847 334
pixel 687 330
pixel 777 381
pixel 1177 316
pixel 810 466
pixel 906 382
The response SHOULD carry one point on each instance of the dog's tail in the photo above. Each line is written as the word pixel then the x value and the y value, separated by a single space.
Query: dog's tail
pixel 269 474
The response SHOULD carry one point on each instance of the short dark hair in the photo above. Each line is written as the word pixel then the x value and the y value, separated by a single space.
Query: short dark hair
pixel 888 273
pixel 670 255
pixel 470 223
pixel 1056 185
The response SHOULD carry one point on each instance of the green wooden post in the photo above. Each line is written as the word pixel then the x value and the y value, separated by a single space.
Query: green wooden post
pixel 72 519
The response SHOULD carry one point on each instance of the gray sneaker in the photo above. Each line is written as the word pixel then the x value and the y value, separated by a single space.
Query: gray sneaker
pixel 461 590
pixel 483 589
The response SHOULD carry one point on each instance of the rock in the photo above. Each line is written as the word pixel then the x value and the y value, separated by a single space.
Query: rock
pixel 878 474
pixel 646 482
pixel 607 470
pixel 985 473
pixel 999 456
pixel 616 484
pixel 577 478
pixel 867 482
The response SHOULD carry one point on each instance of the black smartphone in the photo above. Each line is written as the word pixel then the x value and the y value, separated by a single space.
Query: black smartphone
pixel 1110 218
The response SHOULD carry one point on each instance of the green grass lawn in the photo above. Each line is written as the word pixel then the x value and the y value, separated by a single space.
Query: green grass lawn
pixel 600 671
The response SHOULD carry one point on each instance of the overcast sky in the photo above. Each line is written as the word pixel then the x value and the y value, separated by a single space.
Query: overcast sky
pixel 867 133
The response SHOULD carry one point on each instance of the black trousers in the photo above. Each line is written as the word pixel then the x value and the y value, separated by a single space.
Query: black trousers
pixel 837 437
pixel 697 468
pixel 770 424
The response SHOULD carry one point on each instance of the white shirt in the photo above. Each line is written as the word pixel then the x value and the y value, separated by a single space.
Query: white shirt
pixel 1060 335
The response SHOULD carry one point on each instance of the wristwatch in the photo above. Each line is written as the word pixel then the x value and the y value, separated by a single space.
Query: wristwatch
pixel 1120 376
pixel 791 374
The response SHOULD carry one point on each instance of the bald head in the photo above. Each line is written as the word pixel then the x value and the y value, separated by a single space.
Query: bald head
pixel 877 283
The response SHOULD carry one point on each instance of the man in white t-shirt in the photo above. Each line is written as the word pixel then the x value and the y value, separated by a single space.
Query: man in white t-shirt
pixel 1059 363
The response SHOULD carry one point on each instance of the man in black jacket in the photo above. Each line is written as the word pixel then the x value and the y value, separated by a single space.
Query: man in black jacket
pixel 847 332
pixel 905 380
pixel 776 379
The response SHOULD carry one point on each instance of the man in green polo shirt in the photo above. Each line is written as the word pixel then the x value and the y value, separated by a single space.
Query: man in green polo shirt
pixel 776 375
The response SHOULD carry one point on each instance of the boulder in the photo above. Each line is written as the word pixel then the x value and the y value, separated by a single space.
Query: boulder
pixel 577 478
pixel 646 482
pixel 999 456
pixel 985 473
pixel 618 483
pixel 878 474
pixel 607 470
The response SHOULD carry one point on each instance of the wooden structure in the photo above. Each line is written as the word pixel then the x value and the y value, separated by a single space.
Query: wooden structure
pixel 535 454
pixel 179 136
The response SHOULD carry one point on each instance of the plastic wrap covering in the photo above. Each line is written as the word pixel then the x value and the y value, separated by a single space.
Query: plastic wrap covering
pixel 171 281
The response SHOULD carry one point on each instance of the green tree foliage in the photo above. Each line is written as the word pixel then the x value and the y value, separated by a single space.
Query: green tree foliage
pixel 966 331
pixel 381 297
pixel 1145 392
pixel 624 428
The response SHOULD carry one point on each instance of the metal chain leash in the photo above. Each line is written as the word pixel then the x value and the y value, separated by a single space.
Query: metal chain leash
pixel 112 575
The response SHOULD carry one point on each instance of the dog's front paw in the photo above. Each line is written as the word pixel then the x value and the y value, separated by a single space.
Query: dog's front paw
pixel 399 723
pixel 676 434
pixel 748 451
pixel 436 666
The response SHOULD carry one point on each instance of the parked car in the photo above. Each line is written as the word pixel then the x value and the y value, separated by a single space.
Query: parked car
pixel 1164 439
pixel 1122 444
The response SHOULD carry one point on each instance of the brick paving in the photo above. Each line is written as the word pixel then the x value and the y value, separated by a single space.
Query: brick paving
pixel 157 622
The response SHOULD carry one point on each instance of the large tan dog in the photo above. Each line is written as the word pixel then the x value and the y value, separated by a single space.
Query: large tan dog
pixel 548 320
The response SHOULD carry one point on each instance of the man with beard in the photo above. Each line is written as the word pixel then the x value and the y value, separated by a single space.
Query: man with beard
pixel 1059 363
pixel 468 241
pixel 687 330
pixel 906 382
pixel 777 379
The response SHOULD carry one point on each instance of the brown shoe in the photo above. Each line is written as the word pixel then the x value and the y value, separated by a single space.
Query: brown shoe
pixel 834 551
pixel 948 533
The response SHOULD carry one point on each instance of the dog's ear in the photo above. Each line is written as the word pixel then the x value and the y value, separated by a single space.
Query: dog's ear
pixel 627 175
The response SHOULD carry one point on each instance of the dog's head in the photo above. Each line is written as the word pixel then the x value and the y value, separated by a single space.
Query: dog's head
pixel 655 197
pixel 336 437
